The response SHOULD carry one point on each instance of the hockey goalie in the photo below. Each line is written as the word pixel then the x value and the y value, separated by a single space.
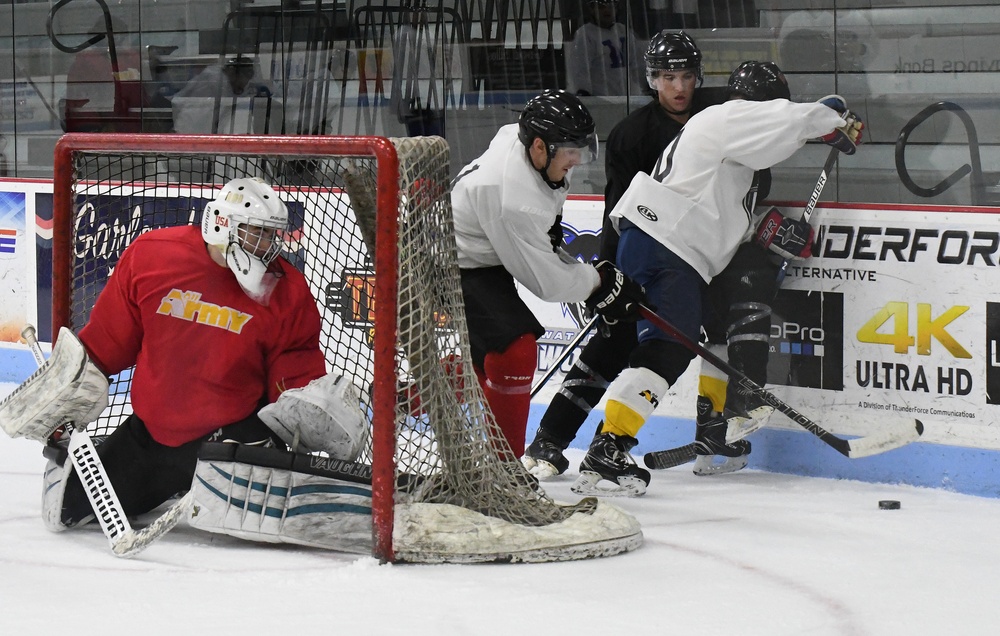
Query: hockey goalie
pixel 223 334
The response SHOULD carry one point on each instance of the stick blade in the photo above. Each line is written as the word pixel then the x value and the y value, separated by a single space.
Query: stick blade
pixel 132 543
pixel 886 440
pixel 661 460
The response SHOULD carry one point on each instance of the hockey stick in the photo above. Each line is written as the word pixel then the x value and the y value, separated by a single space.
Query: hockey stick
pixel 669 458
pixel 587 328
pixel 853 448
pixel 807 211
pixel 124 541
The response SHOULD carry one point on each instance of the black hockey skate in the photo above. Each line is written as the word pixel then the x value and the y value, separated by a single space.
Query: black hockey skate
pixel 714 455
pixel 608 459
pixel 544 458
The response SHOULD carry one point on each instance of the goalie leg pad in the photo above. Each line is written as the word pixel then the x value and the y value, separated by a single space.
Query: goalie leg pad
pixel 54 481
pixel 259 495
pixel 68 387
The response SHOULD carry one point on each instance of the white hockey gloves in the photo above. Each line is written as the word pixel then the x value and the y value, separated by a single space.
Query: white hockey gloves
pixel 617 297
pixel 789 238
pixel 324 415
pixel 67 388
pixel 847 137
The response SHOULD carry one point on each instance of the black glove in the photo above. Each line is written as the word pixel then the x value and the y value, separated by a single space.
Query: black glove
pixel 556 233
pixel 789 238
pixel 618 296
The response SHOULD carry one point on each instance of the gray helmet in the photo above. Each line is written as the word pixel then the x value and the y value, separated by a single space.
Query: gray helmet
pixel 672 51
pixel 759 82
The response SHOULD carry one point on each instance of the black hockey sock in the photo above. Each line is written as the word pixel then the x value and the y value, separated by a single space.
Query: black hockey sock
pixel 567 412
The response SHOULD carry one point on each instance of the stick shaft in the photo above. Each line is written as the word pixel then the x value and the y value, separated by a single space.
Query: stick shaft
pixel 807 211
pixel 28 333
pixel 824 176
pixel 587 328
pixel 742 380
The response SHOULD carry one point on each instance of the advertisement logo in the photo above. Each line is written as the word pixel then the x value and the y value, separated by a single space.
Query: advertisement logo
pixel 585 247
pixel 354 297
pixel 646 212
pixel 889 327
pixel 8 241
pixel 807 340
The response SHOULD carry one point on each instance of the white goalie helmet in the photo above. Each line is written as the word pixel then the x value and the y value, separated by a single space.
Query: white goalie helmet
pixel 246 221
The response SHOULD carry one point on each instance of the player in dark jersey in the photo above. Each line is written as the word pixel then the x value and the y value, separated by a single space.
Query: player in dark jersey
pixel 674 72
pixel 682 224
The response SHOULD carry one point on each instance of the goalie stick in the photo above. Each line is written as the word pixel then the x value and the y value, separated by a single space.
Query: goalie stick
pixel 853 448
pixel 660 460
pixel 124 541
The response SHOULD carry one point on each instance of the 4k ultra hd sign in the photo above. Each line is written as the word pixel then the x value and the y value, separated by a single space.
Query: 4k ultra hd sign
pixel 896 316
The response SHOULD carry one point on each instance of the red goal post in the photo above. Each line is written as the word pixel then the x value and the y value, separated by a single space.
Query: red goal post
pixel 371 220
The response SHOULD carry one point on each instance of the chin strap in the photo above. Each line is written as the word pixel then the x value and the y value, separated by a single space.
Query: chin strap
pixel 255 278
pixel 543 171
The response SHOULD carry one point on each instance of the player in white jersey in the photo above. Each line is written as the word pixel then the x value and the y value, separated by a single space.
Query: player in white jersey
pixel 681 225
pixel 674 71
pixel 508 211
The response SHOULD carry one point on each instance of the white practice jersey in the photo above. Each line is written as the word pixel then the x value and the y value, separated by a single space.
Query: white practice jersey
pixel 503 212
pixel 601 61
pixel 696 200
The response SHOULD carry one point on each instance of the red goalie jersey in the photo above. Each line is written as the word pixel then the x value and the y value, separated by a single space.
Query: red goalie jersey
pixel 205 354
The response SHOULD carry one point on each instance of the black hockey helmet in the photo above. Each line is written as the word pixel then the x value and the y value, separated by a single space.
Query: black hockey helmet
pixel 672 51
pixel 561 120
pixel 759 82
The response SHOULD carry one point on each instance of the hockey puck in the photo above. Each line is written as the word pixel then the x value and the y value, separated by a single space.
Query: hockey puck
pixel 888 504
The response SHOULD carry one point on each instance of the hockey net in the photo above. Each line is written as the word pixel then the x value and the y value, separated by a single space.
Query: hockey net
pixel 444 486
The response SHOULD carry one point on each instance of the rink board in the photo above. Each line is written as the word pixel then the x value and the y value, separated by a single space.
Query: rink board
pixel 894 319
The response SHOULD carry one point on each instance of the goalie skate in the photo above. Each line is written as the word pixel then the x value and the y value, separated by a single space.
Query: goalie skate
pixel 68 387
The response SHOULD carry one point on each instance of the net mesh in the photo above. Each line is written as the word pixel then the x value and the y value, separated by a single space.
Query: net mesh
pixel 448 448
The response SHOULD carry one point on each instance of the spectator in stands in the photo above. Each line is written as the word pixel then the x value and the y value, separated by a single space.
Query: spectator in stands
pixel 603 57
pixel 104 92
pixel 238 76
pixel 424 64
pixel 228 97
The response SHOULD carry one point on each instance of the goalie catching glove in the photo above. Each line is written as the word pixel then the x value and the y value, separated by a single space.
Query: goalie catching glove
pixel 324 415
pixel 789 238
pixel 847 137
pixel 617 297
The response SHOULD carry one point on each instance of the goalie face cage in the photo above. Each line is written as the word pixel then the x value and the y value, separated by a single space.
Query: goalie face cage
pixel 441 491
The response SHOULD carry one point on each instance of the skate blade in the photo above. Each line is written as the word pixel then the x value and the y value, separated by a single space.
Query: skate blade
pixel 589 484
pixel 707 464
pixel 739 427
